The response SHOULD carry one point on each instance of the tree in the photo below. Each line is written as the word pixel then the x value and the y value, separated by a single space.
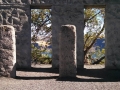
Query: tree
pixel 40 30
pixel 95 28
pixel 41 25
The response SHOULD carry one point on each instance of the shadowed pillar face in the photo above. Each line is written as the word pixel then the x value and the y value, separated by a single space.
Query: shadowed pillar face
pixel 67 51
pixel 112 23
pixel 68 14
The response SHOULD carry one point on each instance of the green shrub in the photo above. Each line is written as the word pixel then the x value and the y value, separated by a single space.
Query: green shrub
pixel 37 56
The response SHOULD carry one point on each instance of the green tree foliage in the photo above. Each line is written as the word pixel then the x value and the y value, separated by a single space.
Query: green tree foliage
pixel 93 23
pixel 38 57
pixel 40 23
pixel 40 30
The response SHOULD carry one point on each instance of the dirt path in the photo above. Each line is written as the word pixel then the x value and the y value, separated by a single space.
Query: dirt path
pixel 43 77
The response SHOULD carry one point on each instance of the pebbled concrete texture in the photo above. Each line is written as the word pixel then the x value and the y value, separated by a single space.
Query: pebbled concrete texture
pixel 112 22
pixel 60 2
pixel 112 36
pixel 62 15
pixel 15 1
pixel 17 14
pixel 7 51
pixel 67 53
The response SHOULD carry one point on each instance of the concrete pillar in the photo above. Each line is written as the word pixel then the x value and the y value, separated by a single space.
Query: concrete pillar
pixel 68 14
pixel 7 51
pixel 19 18
pixel 112 23
pixel 67 50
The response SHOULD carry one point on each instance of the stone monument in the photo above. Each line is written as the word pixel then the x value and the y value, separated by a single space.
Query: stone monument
pixel 67 47
pixel 17 13
pixel 7 51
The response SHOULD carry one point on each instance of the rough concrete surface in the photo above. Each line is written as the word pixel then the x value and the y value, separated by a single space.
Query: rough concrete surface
pixel 44 78
pixel 67 50
pixel 7 51
pixel 17 14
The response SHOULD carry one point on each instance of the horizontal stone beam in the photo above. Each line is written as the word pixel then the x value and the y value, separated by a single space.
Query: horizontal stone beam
pixel 60 2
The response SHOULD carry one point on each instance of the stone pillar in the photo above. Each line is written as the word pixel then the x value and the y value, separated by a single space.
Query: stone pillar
pixel 7 51
pixel 68 14
pixel 67 50
pixel 112 23
pixel 18 16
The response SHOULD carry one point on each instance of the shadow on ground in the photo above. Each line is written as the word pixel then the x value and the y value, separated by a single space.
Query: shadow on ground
pixel 99 75
pixel 93 75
